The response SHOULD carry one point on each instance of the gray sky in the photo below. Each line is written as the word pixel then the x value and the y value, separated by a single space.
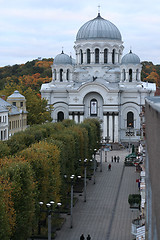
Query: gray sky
pixel 36 28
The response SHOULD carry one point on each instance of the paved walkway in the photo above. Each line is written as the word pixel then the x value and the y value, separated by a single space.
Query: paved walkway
pixel 106 214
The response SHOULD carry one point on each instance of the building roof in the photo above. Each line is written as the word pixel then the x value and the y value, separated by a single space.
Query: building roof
pixel 62 59
pixel 154 102
pixel 130 58
pixel 16 95
pixel 3 109
pixel 99 28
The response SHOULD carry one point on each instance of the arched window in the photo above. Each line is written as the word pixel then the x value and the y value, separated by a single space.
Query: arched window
pixel 124 75
pixel 113 56
pixel 93 107
pixel 55 74
pixel 105 55
pixel 67 75
pixel 81 56
pixel 137 74
pixel 88 56
pixel 130 75
pixel 60 116
pixel 96 55
pixel 61 75
pixel 130 119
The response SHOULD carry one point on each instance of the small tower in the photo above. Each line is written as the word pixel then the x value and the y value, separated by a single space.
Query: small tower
pixel 18 100
pixel 62 68
pixel 130 68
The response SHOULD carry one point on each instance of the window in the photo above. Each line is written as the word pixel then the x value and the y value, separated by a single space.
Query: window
pixel 14 103
pixel 130 75
pixel 61 75
pixel 96 55
pixel 21 104
pixel 130 119
pixel 81 56
pixel 67 75
pixel 105 55
pixel 60 116
pixel 88 56
pixel 113 56
pixel 93 107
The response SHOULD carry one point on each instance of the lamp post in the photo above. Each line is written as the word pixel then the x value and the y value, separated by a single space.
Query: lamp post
pixel 129 133
pixel 71 220
pixel 94 173
pixel 49 212
pixel 85 176
pixel 72 177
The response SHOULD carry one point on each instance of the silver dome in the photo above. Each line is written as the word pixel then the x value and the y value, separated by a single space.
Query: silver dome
pixel 130 58
pixel 62 59
pixel 98 28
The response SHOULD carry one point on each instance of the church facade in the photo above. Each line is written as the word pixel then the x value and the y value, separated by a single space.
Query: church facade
pixel 100 83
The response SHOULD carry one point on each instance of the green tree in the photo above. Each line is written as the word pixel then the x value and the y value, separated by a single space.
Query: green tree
pixel 38 110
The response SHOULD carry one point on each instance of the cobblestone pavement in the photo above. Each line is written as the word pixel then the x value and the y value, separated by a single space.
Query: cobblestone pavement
pixel 106 214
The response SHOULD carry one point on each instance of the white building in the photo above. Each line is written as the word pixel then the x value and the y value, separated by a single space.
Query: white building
pixel 3 123
pixel 100 83
pixel 13 115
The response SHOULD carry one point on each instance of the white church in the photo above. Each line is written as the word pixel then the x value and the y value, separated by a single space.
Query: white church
pixel 101 83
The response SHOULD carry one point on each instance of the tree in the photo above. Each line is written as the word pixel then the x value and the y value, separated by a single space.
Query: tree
pixel 38 111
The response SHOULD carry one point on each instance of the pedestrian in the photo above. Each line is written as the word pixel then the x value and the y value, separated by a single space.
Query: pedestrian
pixel 115 158
pixel 88 237
pixel 112 158
pixel 118 159
pixel 109 167
pixel 82 237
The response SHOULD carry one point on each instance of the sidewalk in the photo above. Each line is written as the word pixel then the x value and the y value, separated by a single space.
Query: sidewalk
pixel 106 214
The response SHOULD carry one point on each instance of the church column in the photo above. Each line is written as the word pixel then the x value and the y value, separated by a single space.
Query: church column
pixel 92 57
pixel 105 126
pixel 116 57
pixel 76 118
pixel 101 60
pixel 116 128
pixel 81 118
pixel 111 127
pixel 84 57
pixel 109 57
pixel 70 117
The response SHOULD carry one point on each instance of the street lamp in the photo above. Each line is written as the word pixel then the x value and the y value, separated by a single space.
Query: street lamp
pixel 85 176
pixel 49 211
pixel 71 209
pixel 129 133
pixel 94 173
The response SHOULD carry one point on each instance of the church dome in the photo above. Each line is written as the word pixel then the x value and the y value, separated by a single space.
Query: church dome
pixel 130 58
pixel 98 28
pixel 62 59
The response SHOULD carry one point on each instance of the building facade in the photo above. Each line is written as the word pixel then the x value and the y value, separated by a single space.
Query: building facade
pixel 152 130
pixel 100 83
pixel 15 118
pixel 3 123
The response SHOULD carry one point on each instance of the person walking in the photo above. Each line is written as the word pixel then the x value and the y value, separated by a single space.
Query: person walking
pixel 82 237
pixel 88 237
pixel 112 158
pixel 115 158
pixel 118 159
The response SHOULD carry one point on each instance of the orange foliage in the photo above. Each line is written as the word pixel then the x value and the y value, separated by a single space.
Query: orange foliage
pixel 154 77
pixel 33 81
pixel 44 64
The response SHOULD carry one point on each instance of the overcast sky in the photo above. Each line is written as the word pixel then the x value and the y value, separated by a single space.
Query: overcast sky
pixel 36 28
